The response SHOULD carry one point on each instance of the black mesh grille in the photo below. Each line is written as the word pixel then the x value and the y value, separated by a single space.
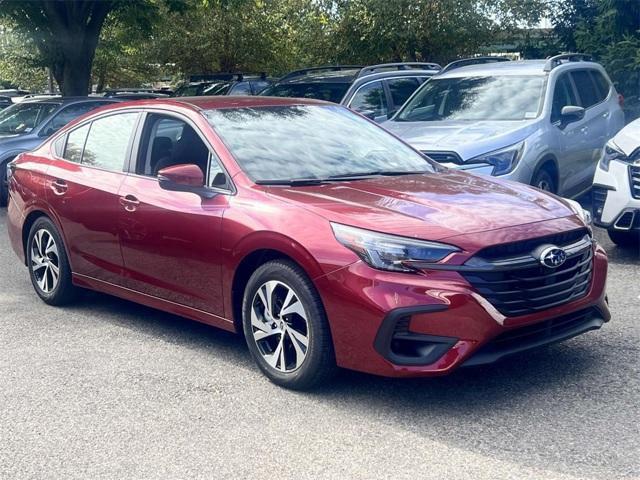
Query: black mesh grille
pixel 528 287
pixel 444 157
pixel 634 177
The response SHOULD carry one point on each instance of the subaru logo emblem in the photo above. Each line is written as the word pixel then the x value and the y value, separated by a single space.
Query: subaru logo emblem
pixel 553 257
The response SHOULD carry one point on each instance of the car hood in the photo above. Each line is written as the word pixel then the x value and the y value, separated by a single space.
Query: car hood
pixel 468 139
pixel 430 206
pixel 627 138
pixel 21 142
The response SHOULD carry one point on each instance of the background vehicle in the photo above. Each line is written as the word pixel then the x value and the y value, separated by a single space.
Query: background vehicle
pixel 616 187
pixel 376 91
pixel 541 122
pixel 137 93
pixel 26 125
pixel 5 102
pixel 223 84
pixel 202 207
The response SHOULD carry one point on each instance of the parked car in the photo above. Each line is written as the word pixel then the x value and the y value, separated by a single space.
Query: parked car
pixel 223 84
pixel 25 125
pixel 540 122
pixel 5 102
pixel 322 237
pixel 376 91
pixel 134 95
pixel 616 187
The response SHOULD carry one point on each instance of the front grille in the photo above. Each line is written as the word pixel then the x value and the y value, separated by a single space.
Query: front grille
pixel 561 239
pixel 445 157
pixel 598 199
pixel 634 178
pixel 517 284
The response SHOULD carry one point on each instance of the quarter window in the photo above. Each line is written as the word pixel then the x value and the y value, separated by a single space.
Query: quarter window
pixel 108 141
pixel 586 88
pixel 370 100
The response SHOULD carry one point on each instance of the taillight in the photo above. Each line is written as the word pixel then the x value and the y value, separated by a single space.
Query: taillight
pixel 621 100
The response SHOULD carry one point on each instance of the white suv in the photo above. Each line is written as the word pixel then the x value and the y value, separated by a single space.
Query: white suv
pixel 540 122
pixel 616 187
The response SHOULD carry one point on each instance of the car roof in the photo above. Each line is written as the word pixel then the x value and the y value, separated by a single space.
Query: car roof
pixel 518 67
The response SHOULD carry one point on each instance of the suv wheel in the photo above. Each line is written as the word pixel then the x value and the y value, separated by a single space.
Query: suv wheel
pixel 544 181
pixel 286 328
pixel 625 239
pixel 48 264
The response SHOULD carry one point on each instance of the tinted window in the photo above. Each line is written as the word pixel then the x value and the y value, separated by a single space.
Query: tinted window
pixel 302 141
pixel 586 88
pixel 563 96
pixel 108 141
pixel 331 92
pixel 75 143
pixel 370 100
pixel 507 97
pixel 69 113
pixel 401 89
pixel 602 84
pixel 24 117
pixel 241 88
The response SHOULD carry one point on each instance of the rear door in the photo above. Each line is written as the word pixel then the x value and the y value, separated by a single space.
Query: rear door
pixel 171 240
pixel 82 189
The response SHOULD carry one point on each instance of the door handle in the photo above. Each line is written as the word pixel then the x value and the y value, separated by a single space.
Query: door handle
pixel 129 202
pixel 59 186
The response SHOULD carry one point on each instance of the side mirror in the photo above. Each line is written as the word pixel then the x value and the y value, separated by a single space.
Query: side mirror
pixel 571 114
pixel 184 178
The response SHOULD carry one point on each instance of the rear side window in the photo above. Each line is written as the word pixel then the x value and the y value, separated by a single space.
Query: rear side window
pixel 75 143
pixel 563 96
pixel 401 89
pixel 586 88
pixel 107 144
pixel 602 84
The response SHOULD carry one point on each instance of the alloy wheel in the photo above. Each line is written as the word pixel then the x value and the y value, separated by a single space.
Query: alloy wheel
pixel 45 261
pixel 279 325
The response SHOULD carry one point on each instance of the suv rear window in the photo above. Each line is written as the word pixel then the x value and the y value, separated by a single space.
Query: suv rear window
pixel 331 92
pixel 586 88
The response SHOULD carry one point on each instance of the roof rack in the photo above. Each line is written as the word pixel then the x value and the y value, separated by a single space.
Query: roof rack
pixel 553 62
pixel 327 68
pixel 398 66
pixel 473 61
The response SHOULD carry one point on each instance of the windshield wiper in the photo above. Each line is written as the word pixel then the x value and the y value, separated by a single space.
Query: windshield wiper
pixel 294 182
pixel 376 173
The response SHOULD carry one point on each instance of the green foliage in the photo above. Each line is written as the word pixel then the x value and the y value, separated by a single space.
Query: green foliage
pixel 19 66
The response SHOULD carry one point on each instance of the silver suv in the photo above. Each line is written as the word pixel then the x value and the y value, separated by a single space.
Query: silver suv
pixel 540 122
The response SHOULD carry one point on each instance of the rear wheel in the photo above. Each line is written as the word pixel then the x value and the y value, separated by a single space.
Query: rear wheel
pixel 48 264
pixel 544 181
pixel 625 239
pixel 286 328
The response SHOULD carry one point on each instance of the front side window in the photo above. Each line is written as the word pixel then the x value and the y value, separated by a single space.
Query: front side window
pixel 563 96
pixel 107 143
pixel 24 117
pixel 507 97
pixel 370 100
pixel 282 143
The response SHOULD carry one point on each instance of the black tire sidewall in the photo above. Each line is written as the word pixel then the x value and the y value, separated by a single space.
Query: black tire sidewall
pixel 319 361
pixel 544 174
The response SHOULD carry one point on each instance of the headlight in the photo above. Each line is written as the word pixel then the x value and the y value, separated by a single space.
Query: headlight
pixel 390 252
pixel 585 215
pixel 611 152
pixel 503 160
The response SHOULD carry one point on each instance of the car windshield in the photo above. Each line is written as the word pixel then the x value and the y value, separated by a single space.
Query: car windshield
pixel 24 117
pixel 217 89
pixel 330 92
pixel 283 143
pixel 507 97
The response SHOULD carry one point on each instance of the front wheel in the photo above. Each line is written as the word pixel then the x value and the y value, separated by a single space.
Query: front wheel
pixel 544 181
pixel 625 238
pixel 286 328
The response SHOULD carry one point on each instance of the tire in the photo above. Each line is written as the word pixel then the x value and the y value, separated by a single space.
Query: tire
pixel 277 340
pixel 544 181
pixel 625 239
pixel 4 187
pixel 45 253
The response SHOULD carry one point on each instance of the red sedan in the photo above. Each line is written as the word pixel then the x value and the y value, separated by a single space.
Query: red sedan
pixel 324 239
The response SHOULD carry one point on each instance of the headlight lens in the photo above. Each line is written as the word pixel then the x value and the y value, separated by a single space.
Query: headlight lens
pixel 611 152
pixel 585 215
pixel 503 160
pixel 390 252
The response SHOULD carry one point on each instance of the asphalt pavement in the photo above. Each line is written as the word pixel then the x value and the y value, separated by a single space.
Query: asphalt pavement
pixel 109 389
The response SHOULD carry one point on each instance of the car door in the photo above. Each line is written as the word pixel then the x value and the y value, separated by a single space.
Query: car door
pixel 593 125
pixel 371 101
pixel 82 190
pixel 171 240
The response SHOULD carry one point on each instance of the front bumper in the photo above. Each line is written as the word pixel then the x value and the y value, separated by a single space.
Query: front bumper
pixel 441 320
pixel 614 204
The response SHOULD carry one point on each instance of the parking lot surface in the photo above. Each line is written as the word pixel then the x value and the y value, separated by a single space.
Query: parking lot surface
pixel 109 389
